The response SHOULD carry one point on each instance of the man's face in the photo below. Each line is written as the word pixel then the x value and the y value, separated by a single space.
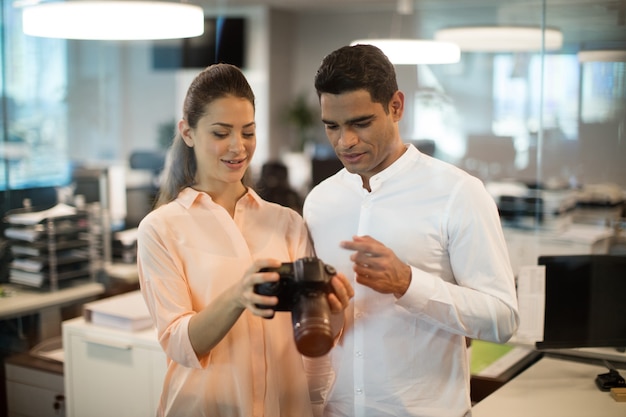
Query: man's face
pixel 363 135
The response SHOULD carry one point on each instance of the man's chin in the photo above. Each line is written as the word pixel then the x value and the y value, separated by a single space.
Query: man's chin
pixel 353 168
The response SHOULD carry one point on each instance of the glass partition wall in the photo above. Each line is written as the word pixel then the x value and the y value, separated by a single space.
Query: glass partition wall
pixel 34 157
pixel 543 127
pixel 542 118
pixel 551 116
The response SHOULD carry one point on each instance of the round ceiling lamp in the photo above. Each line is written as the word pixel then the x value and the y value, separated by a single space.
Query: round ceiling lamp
pixel 502 38
pixel 113 20
pixel 414 51
pixel 602 56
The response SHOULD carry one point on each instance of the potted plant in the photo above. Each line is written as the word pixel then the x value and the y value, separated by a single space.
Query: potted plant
pixel 302 116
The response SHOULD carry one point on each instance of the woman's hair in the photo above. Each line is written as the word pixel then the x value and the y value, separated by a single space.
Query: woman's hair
pixel 358 67
pixel 214 82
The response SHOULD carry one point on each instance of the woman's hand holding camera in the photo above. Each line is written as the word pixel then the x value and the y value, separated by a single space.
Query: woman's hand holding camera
pixel 251 300
pixel 339 299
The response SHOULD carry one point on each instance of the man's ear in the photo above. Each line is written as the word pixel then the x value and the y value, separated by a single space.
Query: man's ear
pixel 396 105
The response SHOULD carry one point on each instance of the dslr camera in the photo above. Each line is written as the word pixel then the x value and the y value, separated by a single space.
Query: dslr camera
pixel 302 288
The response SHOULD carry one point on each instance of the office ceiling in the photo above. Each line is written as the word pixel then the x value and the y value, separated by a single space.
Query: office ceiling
pixel 585 24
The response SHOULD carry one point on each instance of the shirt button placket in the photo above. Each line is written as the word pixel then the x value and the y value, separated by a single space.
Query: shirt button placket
pixel 359 315
pixel 359 389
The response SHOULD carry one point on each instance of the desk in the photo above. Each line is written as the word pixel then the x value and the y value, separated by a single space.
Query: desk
pixel 590 355
pixel 552 388
pixel 48 304
pixel 34 386
pixel 525 246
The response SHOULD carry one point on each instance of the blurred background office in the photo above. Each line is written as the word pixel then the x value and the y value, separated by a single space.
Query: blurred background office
pixel 546 115
pixel 503 111
pixel 540 119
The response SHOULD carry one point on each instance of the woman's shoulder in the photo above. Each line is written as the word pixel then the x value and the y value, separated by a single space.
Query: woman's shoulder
pixel 276 215
pixel 159 215
pixel 281 210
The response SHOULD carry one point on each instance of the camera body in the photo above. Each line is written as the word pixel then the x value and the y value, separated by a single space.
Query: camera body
pixel 303 288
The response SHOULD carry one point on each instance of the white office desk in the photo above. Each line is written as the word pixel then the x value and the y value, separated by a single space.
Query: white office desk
pixel 47 304
pixel 525 246
pixel 552 388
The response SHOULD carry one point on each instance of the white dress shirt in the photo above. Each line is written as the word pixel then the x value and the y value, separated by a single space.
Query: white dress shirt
pixel 407 356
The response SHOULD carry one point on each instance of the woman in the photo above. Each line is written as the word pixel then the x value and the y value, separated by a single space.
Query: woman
pixel 199 256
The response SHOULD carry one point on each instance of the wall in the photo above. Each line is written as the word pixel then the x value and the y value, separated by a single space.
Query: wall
pixel 281 70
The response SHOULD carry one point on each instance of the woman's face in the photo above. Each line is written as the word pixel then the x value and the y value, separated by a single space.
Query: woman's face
pixel 223 141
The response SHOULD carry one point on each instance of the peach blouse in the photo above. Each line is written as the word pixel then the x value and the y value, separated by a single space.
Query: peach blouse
pixel 189 252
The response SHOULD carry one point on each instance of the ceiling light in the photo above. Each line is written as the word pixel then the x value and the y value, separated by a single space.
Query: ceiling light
pixel 413 52
pixel 602 56
pixel 113 20
pixel 501 38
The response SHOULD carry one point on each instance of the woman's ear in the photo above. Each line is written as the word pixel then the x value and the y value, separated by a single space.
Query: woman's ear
pixel 185 132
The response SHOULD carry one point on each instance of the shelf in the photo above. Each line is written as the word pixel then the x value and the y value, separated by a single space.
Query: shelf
pixel 50 247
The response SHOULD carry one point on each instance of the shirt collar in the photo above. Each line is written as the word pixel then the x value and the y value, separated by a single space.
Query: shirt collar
pixel 188 196
pixel 398 165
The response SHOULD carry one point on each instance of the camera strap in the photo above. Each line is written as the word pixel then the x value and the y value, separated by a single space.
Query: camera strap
pixel 310 238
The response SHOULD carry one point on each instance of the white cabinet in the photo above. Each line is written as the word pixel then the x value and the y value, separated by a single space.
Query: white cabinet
pixel 110 372
pixel 34 387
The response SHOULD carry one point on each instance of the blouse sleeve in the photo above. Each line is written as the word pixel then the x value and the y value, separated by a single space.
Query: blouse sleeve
pixel 164 288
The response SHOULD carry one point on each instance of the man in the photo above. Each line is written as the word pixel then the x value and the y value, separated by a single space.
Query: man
pixel 423 241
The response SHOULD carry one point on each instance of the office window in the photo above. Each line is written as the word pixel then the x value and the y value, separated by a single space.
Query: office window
pixel 518 82
pixel 603 91
pixel 34 126
pixel 516 92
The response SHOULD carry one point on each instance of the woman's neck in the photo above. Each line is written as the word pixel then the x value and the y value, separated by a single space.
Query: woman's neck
pixel 227 196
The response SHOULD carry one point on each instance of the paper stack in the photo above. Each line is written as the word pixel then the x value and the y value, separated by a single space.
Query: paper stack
pixel 126 311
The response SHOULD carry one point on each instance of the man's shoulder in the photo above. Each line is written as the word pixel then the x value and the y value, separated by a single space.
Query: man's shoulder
pixel 331 181
pixel 440 167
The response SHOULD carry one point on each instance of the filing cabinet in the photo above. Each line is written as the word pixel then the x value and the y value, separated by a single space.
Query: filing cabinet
pixel 111 372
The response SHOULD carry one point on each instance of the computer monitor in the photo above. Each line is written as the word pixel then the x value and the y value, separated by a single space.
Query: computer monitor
pixel 224 40
pixel 106 185
pixel 585 301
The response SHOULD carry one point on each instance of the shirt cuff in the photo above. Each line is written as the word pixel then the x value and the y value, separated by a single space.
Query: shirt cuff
pixel 420 291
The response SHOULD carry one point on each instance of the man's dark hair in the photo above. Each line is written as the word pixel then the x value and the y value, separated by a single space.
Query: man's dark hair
pixel 358 67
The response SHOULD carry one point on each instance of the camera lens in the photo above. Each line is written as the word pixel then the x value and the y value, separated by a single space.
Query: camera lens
pixel 311 324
